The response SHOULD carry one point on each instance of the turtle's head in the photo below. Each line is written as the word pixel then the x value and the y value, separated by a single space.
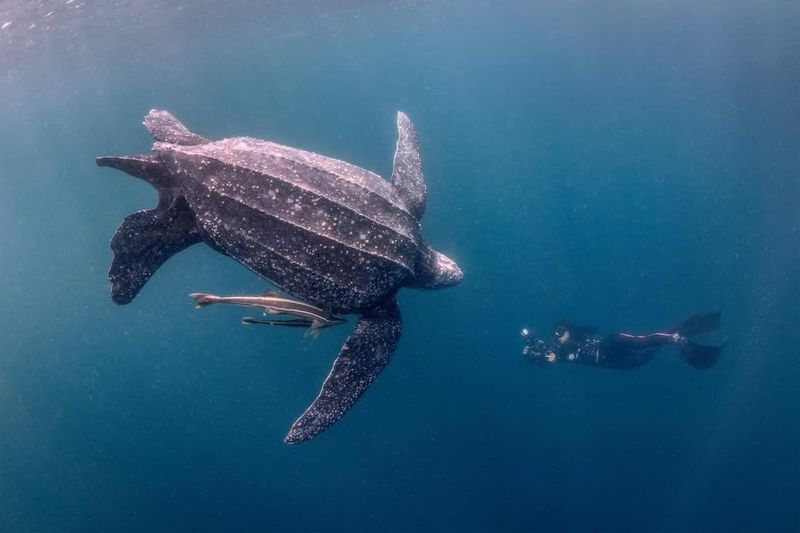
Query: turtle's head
pixel 446 272
pixel 435 270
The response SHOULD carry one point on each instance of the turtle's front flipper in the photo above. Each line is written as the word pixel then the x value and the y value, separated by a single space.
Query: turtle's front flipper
pixel 365 353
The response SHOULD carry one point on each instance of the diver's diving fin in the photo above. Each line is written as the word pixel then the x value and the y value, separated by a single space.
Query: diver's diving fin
pixel 164 127
pixel 407 168
pixel 365 353
pixel 144 241
pixel 700 356
pixel 698 324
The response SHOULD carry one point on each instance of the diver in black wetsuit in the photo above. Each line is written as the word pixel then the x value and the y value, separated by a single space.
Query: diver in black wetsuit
pixel 572 343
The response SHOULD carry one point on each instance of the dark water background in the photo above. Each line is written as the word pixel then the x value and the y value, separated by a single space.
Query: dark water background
pixel 621 163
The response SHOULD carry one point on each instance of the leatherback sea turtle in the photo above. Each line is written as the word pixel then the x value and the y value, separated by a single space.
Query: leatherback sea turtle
pixel 322 230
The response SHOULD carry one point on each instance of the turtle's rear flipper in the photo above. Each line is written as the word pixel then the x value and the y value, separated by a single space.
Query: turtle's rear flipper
pixel 148 168
pixel 407 168
pixel 144 241
pixel 365 353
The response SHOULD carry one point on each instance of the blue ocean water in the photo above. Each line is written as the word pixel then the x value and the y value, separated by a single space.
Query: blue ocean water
pixel 623 164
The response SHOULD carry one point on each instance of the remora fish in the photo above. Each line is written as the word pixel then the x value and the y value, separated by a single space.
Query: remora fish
pixel 312 328
pixel 291 323
pixel 322 230
pixel 274 304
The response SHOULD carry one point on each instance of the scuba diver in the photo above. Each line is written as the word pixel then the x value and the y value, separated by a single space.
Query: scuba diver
pixel 579 344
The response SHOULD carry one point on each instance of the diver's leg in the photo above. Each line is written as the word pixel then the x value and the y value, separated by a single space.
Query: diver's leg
pixel 644 347
pixel 647 341
pixel 622 353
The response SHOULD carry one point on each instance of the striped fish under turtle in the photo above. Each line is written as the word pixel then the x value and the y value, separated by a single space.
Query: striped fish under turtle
pixel 272 303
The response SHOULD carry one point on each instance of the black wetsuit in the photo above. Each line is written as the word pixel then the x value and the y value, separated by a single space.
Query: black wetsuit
pixel 622 350
pixel 577 344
